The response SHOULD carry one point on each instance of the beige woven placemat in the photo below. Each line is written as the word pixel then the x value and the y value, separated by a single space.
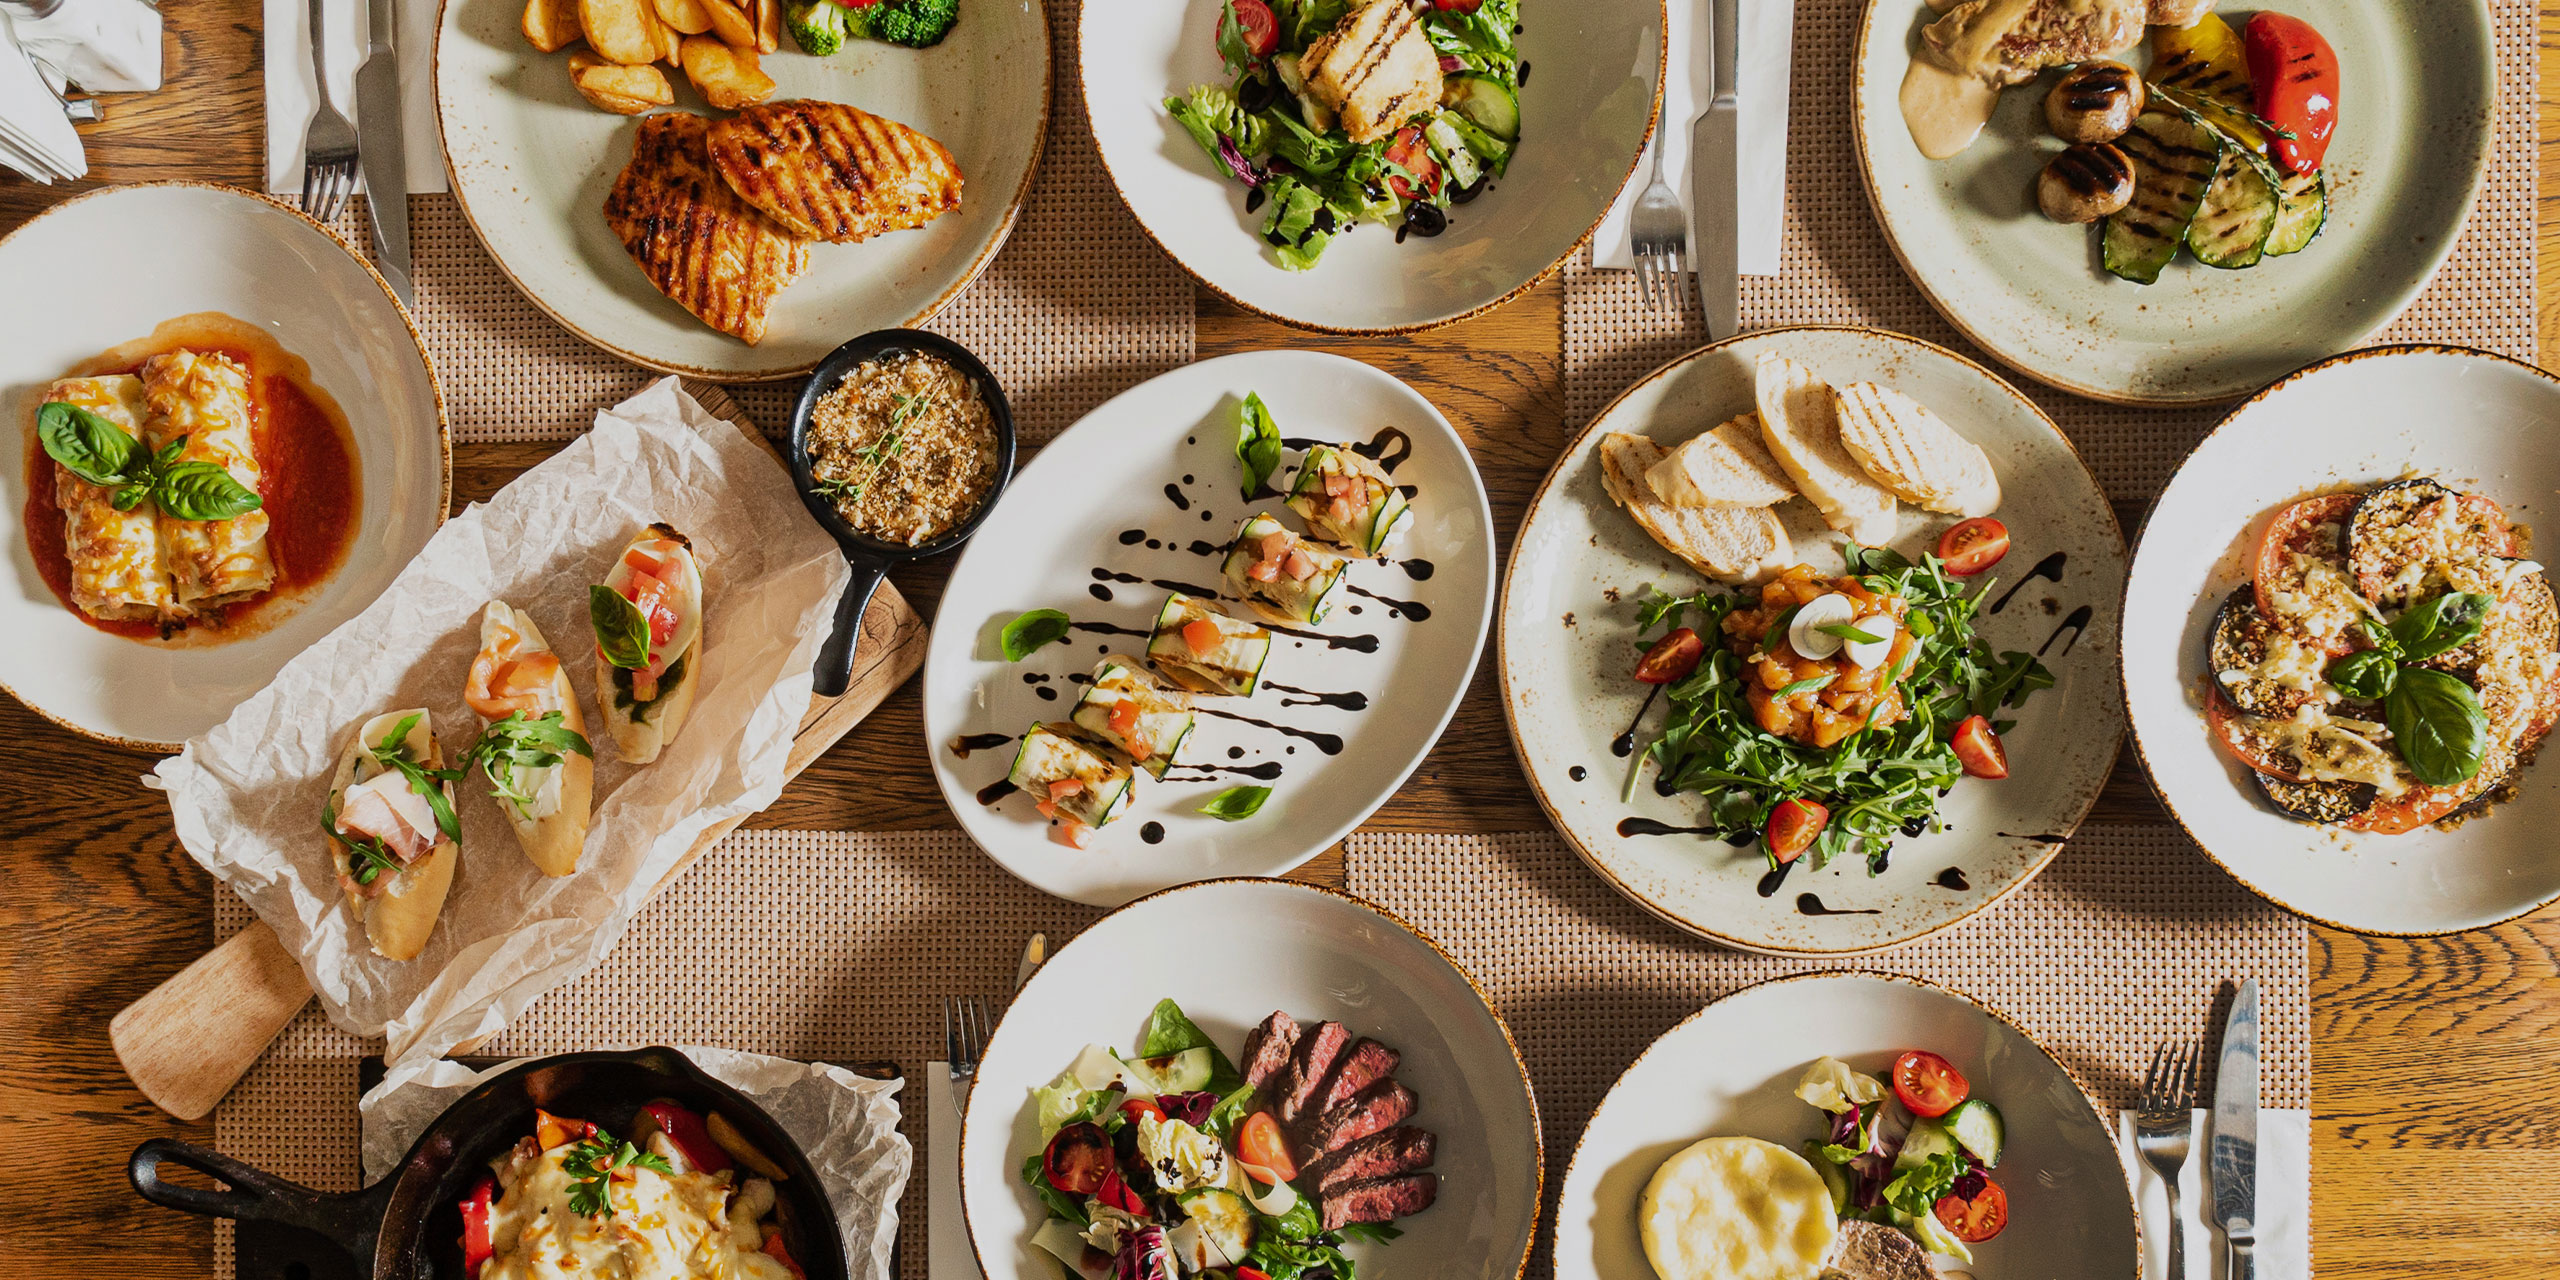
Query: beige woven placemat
pixel 1835 267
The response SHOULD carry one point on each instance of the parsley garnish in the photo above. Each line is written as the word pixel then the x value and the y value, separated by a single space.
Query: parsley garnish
pixel 592 1162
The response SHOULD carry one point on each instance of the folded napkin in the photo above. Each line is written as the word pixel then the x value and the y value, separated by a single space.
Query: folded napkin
pixel 2284 1200
pixel 36 138
pixel 291 94
pixel 1766 59
pixel 948 1255
pixel 103 46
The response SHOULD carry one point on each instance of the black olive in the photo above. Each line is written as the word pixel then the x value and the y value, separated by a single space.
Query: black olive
pixel 1425 218
pixel 1465 194
pixel 1257 92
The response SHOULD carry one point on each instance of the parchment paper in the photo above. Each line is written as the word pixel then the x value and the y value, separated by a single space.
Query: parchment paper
pixel 845 1124
pixel 247 796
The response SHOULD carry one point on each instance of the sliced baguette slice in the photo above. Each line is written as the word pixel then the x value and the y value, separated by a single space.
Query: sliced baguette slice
pixel 1729 466
pixel 1802 428
pixel 1728 544
pixel 1901 445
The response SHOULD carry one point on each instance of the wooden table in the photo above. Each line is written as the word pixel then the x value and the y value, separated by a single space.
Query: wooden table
pixel 2434 1146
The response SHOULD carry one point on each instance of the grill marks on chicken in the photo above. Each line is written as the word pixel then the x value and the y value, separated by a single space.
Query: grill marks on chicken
pixel 695 240
pixel 830 172
pixel 2007 42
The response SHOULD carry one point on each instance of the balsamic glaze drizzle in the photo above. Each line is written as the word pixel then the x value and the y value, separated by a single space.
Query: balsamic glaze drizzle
pixel 964 744
pixel 1624 744
pixel 996 790
pixel 2049 567
pixel 1263 772
pixel 1173 493
pixel 1777 875
pixel 1328 743
pixel 1809 905
pixel 1952 878
pixel 1649 827
pixel 1152 833
pixel 1353 701
pixel 2076 622
pixel 1413 609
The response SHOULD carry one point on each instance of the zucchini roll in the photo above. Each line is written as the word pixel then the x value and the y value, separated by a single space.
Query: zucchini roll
pixel 1139 719
pixel 1347 500
pixel 1203 650
pixel 1075 784
pixel 1283 576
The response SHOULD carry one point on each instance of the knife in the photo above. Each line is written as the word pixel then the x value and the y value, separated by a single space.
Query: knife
pixel 2234 1162
pixel 1034 954
pixel 381 151
pixel 1715 184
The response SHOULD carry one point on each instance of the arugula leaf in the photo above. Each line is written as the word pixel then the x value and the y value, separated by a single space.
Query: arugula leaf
pixel 367 857
pixel 1235 804
pixel 1233 49
pixel 514 743
pixel 393 753
pixel 591 1164
pixel 1257 444
pixel 85 444
pixel 1028 632
pixel 2437 722
pixel 622 632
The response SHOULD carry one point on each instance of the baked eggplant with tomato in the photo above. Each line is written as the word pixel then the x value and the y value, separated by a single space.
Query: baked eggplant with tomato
pixel 1130 711
pixel 1347 500
pixel 1072 778
pixel 533 746
pixel 1198 646
pixel 394 837
pixel 1280 575
pixel 647 616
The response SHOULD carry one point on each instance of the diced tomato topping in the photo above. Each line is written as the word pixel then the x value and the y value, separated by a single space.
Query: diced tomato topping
pixel 1261 1143
pixel 1275 544
pixel 1047 808
pixel 1065 787
pixel 1339 510
pixel 1124 722
pixel 1300 565
pixel 1263 571
pixel 477 1247
pixel 1337 484
pixel 1793 825
pixel 1071 833
pixel 691 1136
pixel 1978 747
pixel 1671 658
pixel 1202 637
pixel 1409 152
pixel 655 598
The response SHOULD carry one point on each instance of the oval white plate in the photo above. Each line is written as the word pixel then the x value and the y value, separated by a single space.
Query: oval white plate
pixel 2477 421
pixel 531 163
pixel 1063 518
pixel 2418 85
pixel 1242 949
pixel 93 261
pixel 1593 85
pixel 1568 650
pixel 1731 1068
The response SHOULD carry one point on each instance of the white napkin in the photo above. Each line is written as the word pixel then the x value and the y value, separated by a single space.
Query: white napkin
pixel 2284 1200
pixel 36 138
pixel 290 100
pixel 103 46
pixel 1766 60
pixel 947 1255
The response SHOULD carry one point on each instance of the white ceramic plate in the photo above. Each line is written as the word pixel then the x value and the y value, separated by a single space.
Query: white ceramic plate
pixel 2418 84
pixel 1731 1069
pixel 1593 75
pixel 93 262
pixel 1160 459
pixel 2478 422
pixel 1245 948
pixel 1581 567
pixel 531 163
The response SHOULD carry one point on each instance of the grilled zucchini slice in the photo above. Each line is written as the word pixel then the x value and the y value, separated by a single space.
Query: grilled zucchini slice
pixel 1053 753
pixel 1371 507
pixel 2174 160
pixel 1232 667
pixel 1280 597
pixel 2303 210
pixel 1144 724
pixel 2239 212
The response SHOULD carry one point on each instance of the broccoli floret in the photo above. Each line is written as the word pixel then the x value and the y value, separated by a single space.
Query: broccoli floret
pixel 818 26
pixel 917 24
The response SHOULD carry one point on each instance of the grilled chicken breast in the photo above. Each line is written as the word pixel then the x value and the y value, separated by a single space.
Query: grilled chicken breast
pixel 831 172
pixel 1376 69
pixel 694 238
pixel 2006 42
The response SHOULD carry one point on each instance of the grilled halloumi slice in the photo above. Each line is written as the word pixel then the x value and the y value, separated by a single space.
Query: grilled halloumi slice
pixel 694 238
pixel 830 172
pixel 1729 466
pixel 1801 427
pixel 1728 544
pixel 1906 448
pixel 1375 69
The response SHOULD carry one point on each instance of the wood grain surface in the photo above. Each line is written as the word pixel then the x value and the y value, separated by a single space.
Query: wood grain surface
pixel 2434 1152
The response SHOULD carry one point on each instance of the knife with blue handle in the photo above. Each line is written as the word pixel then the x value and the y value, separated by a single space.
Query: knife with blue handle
pixel 2234 1151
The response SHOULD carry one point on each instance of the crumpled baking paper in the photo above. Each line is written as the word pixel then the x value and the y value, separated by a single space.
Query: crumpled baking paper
pixel 247 796
pixel 846 1124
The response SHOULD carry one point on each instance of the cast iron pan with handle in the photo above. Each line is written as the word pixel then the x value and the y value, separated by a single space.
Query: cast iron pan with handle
pixel 408 1226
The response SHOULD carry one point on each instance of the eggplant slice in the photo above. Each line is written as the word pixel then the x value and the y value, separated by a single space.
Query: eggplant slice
pixel 2238 642
pixel 2374 556
pixel 2317 802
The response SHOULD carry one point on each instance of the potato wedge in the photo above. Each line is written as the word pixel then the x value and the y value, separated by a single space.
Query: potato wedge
pixel 621 31
pixel 670 41
pixel 624 91
pixel 768 25
pixel 551 25
pixel 688 17
pixel 727 78
pixel 731 23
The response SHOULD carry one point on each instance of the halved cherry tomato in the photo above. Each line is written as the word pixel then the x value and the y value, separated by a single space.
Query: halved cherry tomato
pixel 1261 30
pixel 2296 76
pixel 1410 152
pixel 774 1248
pixel 1078 1159
pixel 1971 546
pixel 1261 1144
pixel 477 1247
pixel 1136 1107
pixel 1249 1273
pixel 691 1136
pixel 1671 658
pixel 1978 1219
pixel 2297 528
pixel 1978 747
pixel 1793 824
pixel 1927 1084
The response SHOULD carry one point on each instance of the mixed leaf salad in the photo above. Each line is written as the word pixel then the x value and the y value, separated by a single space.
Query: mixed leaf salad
pixel 1910 1149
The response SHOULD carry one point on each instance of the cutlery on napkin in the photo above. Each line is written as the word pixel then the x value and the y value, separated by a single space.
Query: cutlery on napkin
pixel 291 96
pixel 1766 53
pixel 36 138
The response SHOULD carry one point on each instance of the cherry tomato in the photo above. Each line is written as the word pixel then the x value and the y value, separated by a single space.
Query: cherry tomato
pixel 1136 1107
pixel 1671 658
pixel 1078 1159
pixel 1793 824
pixel 1978 747
pixel 1928 1085
pixel 1457 6
pixel 2296 74
pixel 1408 150
pixel 477 1247
pixel 1976 1220
pixel 1261 30
pixel 1249 1273
pixel 1971 546
pixel 687 1131
pixel 1260 1143
pixel 1117 1194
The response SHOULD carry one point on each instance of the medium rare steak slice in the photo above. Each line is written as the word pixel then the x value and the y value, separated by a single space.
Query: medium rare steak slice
pixel 1267 1049
pixel 1311 1068
pixel 1403 1149
pixel 1381 1106
pixel 1378 1199
pixel 1365 1063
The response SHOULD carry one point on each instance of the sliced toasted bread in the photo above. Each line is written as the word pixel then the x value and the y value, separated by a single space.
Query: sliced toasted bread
pixel 1802 428
pixel 1729 466
pixel 1728 544
pixel 1906 448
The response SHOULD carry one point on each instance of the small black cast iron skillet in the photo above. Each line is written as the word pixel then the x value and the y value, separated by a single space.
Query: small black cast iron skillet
pixel 408 1226
pixel 870 557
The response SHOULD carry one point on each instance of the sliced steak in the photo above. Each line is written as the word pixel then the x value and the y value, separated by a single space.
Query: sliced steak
pixel 1311 1068
pixel 1874 1251
pixel 1365 1063
pixel 1403 1149
pixel 1379 1107
pixel 1267 1049
pixel 1378 1199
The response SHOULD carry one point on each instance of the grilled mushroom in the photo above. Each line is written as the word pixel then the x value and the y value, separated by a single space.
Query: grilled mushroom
pixel 2094 102
pixel 2085 183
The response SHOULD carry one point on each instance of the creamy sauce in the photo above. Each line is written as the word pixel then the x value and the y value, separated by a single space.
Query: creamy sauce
pixel 1966 56
pixel 1944 111
pixel 662 1228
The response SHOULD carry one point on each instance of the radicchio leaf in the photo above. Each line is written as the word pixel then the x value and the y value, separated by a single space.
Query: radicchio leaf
pixel 1237 162
pixel 1144 1256
pixel 1968 1184
pixel 1190 1108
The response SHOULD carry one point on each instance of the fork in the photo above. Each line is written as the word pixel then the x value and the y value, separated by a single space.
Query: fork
pixel 965 1031
pixel 1658 231
pixel 2164 1130
pixel 329 146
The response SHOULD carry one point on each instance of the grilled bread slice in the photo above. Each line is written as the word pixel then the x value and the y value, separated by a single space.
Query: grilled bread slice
pixel 695 240
pixel 1728 544
pixel 1801 427
pixel 1906 448
pixel 830 172
pixel 1375 69
pixel 1729 466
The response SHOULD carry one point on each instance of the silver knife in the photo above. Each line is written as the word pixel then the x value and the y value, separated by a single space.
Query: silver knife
pixel 2234 1163
pixel 1715 184
pixel 1034 954
pixel 381 151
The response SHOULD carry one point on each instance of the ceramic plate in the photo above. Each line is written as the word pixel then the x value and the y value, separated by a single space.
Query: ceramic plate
pixel 1569 627
pixel 531 163
pixel 2478 422
pixel 2418 86
pixel 254 260
pixel 1730 1070
pixel 1592 72
pixel 1252 946
pixel 1142 496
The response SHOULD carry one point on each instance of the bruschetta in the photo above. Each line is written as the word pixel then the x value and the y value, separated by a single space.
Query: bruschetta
pixel 393 835
pixel 533 744
pixel 647 615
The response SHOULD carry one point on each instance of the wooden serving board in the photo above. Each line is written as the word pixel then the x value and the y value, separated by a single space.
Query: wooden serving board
pixel 187 1041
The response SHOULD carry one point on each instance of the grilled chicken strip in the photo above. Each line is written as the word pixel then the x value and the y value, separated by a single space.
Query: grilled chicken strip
pixel 693 237
pixel 832 172
pixel 2006 42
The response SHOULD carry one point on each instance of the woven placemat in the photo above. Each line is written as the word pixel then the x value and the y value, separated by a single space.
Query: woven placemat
pixel 1835 267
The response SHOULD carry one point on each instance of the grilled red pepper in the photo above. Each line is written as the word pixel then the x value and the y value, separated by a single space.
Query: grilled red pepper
pixel 2296 75
pixel 477 1247
pixel 686 1130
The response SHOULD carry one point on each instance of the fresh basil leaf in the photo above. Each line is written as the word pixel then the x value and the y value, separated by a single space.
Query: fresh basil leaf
pixel 84 444
pixel 2441 624
pixel 1028 632
pixel 2369 674
pixel 622 631
pixel 203 491
pixel 2437 721
pixel 1257 441
pixel 171 452
pixel 128 496
pixel 1847 631
pixel 1235 804
pixel 1806 685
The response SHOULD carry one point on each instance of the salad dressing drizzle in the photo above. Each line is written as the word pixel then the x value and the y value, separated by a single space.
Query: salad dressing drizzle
pixel 2050 568
pixel 1328 743
pixel 1624 744
pixel 1810 905
pixel 1353 701
pixel 1413 610
pixel 2076 622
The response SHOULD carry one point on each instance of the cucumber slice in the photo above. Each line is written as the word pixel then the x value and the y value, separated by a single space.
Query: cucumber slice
pixel 1232 669
pixel 2239 211
pixel 1283 599
pixel 1225 1221
pixel 2303 210
pixel 1933 1235
pixel 1927 1138
pixel 1379 509
pixel 1490 103
pixel 1464 169
pixel 1163 720
pixel 1835 1178
pixel 2174 159
pixel 1184 1072
pixel 1976 1126
pixel 1057 752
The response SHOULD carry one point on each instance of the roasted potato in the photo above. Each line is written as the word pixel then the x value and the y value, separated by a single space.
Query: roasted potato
pixel 624 91
pixel 670 40
pixel 768 25
pixel 551 25
pixel 621 31
pixel 732 23
pixel 689 17
pixel 727 78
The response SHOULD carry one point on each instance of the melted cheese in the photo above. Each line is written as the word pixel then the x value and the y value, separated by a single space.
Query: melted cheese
pixel 689 1226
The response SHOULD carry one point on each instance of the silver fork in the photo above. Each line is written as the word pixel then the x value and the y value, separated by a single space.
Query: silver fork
pixel 329 147
pixel 965 1031
pixel 2164 1130
pixel 1658 231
